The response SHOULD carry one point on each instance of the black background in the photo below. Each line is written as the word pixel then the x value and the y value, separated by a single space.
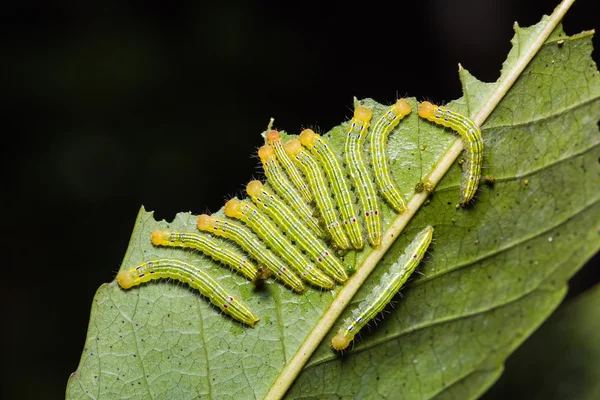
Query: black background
pixel 112 105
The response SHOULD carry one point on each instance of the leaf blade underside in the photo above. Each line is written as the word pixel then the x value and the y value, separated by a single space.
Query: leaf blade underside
pixel 495 272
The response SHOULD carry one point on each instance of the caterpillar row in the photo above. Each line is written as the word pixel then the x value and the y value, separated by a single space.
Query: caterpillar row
pixel 296 227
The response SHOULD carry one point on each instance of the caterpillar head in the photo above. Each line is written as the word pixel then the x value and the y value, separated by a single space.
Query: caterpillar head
pixel 273 136
pixel 265 153
pixel 159 237
pixel 426 110
pixel 126 279
pixel 254 188
pixel 307 137
pixel 339 341
pixel 206 222
pixel 402 107
pixel 293 147
pixel 233 208
pixel 363 113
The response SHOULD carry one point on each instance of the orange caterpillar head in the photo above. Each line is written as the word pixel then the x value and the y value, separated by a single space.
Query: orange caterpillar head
pixel 293 147
pixel 254 188
pixel 126 278
pixel 272 136
pixel 265 153
pixel 363 113
pixel 159 237
pixel 233 208
pixel 206 222
pixel 307 136
pixel 402 107
pixel 426 110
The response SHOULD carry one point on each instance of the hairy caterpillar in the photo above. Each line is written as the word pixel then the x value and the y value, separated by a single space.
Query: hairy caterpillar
pixel 195 277
pixel 378 138
pixel 274 139
pixel 211 246
pixel 285 218
pixel 319 187
pixel 321 150
pixel 363 184
pixel 391 282
pixel 281 184
pixel 248 241
pixel 470 134
pixel 270 234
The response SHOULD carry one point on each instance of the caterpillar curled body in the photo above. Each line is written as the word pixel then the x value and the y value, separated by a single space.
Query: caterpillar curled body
pixel 217 249
pixel 471 136
pixel 319 148
pixel 319 187
pixel 303 237
pixel 390 283
pixel 353 149
pixel 252 245
pixel 377 140
pixel 284 188
pixel 274 239
pixel 195 277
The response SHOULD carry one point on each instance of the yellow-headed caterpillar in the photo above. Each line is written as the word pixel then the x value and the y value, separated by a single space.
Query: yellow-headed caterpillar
pixel 195 277
pixel 284 188
pixel 391 282
pixel 319 187
pixel 303 237
pixel 337 178
pixel 252 245
pixel 276 241
pixel 378 139
pixel 471 136
pixel 353 153
pixel 217 249
pixel 274 139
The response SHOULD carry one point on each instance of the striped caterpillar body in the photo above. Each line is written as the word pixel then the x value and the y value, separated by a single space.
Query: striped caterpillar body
pixel 248 241
pixel 321 150
pixel 391 282
pixel 471 136
pixel 285 218
pixel 319 187
pixel 284 188
pixel 363 184
pixel 211 246
pixel 274 139
pixel 378 138
pixel 274 239
pixel 278 231
pixel 195 277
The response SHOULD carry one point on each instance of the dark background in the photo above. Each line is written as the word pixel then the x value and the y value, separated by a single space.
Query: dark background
pixel 113 105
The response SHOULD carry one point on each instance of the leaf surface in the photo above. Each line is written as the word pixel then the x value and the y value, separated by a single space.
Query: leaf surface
pixel 495 272
pixel 570 370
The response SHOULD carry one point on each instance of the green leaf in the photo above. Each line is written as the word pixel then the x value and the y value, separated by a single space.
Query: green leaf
pixel 496 270
pixel 570 370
